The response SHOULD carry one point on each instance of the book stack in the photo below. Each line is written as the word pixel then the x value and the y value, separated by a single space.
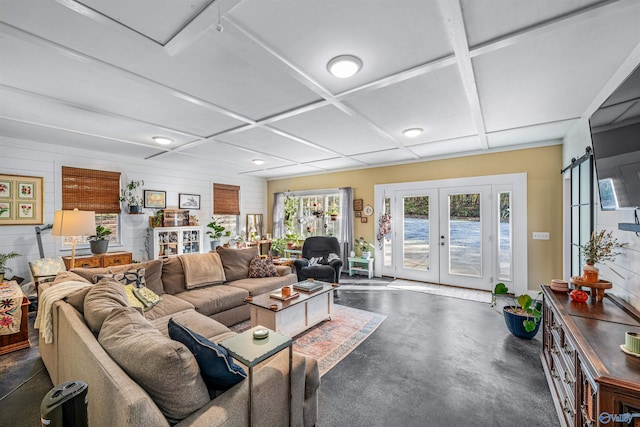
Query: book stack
pixel 307 286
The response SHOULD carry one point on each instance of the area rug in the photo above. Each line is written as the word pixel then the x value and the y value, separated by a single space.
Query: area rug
pixel 332 340
pixel 442 290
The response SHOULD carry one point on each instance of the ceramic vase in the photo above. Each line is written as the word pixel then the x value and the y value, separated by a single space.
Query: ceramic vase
pixel 590 273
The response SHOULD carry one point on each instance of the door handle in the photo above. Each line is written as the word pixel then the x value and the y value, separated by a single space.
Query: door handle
pixel 441 243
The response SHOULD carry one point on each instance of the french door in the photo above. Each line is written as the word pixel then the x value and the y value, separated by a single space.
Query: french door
pixel 456 232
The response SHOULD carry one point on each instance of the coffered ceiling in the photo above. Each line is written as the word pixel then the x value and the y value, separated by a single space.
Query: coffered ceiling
pixel 234 80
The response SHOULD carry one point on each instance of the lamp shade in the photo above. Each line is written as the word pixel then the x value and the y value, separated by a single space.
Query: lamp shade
pixel 74 223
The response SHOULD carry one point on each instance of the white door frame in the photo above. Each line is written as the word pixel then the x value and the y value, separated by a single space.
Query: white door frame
pixel 518 182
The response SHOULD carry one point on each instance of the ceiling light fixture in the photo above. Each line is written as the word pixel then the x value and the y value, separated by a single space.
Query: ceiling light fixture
pixel 344 66
pixel 162 140
pixel 412 133
pixel 257 161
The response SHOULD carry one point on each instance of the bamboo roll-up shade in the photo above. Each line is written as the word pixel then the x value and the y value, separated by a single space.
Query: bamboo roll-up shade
pixel 90 190
pixel 226 199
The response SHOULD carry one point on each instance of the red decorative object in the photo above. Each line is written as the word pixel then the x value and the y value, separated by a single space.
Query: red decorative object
pixel 579 296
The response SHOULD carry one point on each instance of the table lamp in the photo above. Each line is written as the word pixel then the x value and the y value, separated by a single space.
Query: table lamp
pixel 74 223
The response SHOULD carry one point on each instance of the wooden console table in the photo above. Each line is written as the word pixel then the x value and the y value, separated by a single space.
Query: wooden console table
pixel 591 379
pixel 103 260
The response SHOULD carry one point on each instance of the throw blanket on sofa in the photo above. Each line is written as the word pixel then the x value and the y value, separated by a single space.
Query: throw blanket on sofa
pixel 202 269
pixel 10 308
pixel 44 318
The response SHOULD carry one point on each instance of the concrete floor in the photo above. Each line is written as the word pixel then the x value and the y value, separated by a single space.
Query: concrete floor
pixel 435 361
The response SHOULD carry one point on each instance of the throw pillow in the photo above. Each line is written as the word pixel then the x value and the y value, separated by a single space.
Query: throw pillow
pixel 262 267
pixel 101 299
pixel 138 295
pixel 217 368
pixel 147 297
pixel 236 261
pixel 164 368
pixel 135 278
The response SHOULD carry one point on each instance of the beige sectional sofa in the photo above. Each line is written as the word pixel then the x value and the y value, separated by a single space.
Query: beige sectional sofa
pixel 115 398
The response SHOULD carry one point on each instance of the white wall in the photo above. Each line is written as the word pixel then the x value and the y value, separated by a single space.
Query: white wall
pixel 29 158
pixel 624 273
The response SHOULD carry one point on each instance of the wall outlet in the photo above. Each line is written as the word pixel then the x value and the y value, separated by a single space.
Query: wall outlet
pixel 539 235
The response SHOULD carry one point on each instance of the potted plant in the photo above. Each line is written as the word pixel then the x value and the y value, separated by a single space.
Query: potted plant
pixel 3 263
pixel 216 232
pixel 99 242
pixel 131 197
pixel 292 239
pixel 364 246
pixel 333 212
pixel 523 317
pixel 602 246
pixel 277 246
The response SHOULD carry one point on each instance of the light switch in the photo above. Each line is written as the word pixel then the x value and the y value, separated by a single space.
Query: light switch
pixel 539 235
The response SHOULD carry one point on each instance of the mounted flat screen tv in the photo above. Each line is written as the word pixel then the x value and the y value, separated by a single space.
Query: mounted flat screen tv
pixel 615 137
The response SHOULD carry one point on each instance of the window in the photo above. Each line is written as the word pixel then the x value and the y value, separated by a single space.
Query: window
pixel 582 220
pixel 226 205
pixel 314 213
pixel 93 190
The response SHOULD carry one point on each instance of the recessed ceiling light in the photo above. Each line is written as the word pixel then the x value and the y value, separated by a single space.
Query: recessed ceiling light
pixel 344 66
pixel 412 133
pixel 162 140
pixel 257 161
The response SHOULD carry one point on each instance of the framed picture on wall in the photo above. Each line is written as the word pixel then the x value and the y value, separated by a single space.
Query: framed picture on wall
pixel 358 214
pixel 364 219
pixel 189 201
pixel 155 199
pixel 357 205
pixel 21 200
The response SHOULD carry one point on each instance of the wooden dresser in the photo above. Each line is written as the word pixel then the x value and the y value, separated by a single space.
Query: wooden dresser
pixel 591 379
pixel 103 260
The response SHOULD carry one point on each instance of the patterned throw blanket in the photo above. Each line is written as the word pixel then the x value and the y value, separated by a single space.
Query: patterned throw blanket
pixel 10 312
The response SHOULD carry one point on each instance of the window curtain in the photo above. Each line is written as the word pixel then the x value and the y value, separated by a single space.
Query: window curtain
pixel 346 219
pixel 90 190
pixel 278 215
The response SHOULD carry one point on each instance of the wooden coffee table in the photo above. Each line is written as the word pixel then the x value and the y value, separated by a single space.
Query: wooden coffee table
pixel 295 315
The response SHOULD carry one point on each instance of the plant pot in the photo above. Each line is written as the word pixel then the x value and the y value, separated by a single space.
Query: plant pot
pixel 365 255
pixel 135 209
pixel 99 246
pixel 334 217
pixel 590 273
pixel 515 324
pixel 214 244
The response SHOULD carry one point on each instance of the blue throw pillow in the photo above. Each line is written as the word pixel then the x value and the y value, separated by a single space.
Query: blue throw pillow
pixel 217 368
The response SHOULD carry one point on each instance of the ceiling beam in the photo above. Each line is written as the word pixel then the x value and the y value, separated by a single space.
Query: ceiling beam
pixel 454 23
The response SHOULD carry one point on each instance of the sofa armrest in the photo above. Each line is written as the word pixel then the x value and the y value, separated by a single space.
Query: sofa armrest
pixel 300 263
pixel 336 263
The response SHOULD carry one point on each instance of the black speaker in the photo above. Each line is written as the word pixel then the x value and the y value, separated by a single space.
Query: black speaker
pixel 65 405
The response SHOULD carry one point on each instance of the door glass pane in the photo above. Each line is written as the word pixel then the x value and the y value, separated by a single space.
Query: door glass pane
pixel 585 182
pixel 464 234
pixel 504 236
pixel 415 244
pixel 575 186
pixel 387 248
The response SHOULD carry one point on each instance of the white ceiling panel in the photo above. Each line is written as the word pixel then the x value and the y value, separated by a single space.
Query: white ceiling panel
pixel 177 159
pixel 287 171
pixel 335 130
pixel 387 37
pixel 443 148
pixel 386 156
pixel 435 102
pixel 221 152
pixel 482 25
pixel 32 132
pixel 530 134
pixel 337 163
pixel 561 72
pixel 264 141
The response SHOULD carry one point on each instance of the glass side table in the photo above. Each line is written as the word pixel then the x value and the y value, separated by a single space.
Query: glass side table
pixel 250 351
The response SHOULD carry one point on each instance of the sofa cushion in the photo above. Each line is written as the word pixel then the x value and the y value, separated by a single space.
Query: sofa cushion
pixel 205 326
pixel 169 305
pixel 202 269
pixel 216 366
pixel 102 298
pixel 236 261
pixel 263 285
pixel 214 299
pixel 152 273
pixel 165 368
pixel 262 267
pixel 76 299
pixel 173 276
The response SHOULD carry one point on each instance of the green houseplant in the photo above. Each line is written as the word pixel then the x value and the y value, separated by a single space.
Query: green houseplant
pixel 131 197
pixel 333 212
pixel 523 317
pixel 99 242
pixel 364 247
pixel 277 246
pixel 216 232
pixel 3 263
pixel 602 246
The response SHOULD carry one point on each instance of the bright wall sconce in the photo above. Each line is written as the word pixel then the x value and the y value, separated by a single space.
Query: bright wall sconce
pixel 162 140
pixel 412 133
pixel 344 66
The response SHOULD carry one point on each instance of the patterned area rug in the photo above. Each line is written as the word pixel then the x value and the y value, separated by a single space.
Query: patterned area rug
pixel 332 340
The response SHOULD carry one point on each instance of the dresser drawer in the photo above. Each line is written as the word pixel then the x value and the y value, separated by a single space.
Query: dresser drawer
pixel 81 262
pixel 116 259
